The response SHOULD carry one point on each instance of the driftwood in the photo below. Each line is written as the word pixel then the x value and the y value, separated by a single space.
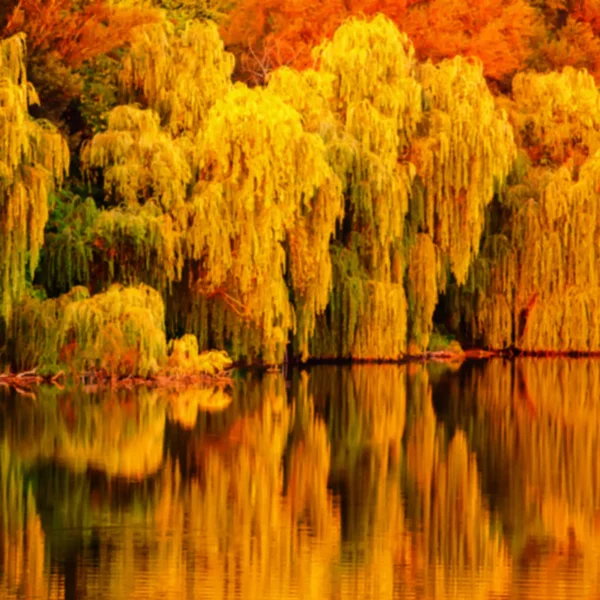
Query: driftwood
pixel 90 381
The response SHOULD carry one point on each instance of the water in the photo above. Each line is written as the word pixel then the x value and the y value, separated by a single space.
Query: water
pixel 375 482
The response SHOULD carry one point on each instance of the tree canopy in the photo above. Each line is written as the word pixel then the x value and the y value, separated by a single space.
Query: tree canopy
pixel 359 208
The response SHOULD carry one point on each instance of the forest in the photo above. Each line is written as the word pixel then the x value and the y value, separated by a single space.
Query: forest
pixel 277 180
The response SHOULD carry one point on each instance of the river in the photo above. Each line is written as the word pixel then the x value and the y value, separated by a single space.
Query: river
pixel 479 480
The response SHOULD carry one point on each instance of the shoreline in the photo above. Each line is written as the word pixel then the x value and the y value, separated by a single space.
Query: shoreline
pixel 28 380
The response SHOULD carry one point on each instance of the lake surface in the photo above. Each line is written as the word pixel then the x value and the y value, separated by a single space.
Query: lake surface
pixel 411 481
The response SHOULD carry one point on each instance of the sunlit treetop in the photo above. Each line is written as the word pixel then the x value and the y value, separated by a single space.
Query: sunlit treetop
pixel 467 151
pixel 373 61
pixel 311 93
pixel 557 115
pixel 179 74
pixel 140 162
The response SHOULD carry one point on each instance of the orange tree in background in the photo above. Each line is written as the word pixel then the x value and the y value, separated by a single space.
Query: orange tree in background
pixel 265 34
pixel 68 42
pixel 77 30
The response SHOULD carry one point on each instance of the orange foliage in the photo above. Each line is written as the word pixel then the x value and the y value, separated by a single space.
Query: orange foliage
pixel 266 34
pixel 576 46
pixel 587 11
pixel 499 32
pixel 76 30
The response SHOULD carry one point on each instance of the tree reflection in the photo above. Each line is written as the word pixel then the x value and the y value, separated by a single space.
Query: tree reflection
pixel 359 482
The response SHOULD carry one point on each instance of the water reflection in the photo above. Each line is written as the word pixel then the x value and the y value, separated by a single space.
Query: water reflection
pixel 343 482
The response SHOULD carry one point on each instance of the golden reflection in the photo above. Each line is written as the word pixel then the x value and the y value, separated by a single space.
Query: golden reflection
pixel 540 427
pixel 458 547
pixel 235 529
pixel 185 404
pixel 120 432
pixel 365 406
pixel 345 482
pixel 21 536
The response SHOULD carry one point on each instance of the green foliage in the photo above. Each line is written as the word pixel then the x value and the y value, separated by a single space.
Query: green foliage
pixel 440 341
pixel 422 290
pixel 67 256
pixel 120 331
pixel 99 93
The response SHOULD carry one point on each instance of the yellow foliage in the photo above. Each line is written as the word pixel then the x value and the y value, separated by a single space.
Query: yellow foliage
pixel 32 334
pixel 139 162
pixel 180 75
pixel 466 153
pixel 268 184
pixel 556 113
pixel 184 358
pixel 120 330
pixel 541 293
pixel 261 183
pixel 33 158
pixel 370 68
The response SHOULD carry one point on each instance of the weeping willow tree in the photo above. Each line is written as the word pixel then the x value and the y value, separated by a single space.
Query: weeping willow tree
pixel 240 216
pixel 32 335
pixel 367 78
pixel 466 153
pixel 120 331
pixel 536 284
pixel 270 190
pixel 33 158
pixel 420 151
pixel 179 74
pixel 463 156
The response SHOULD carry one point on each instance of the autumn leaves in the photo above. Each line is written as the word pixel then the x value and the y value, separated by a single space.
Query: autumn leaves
pixel 330 207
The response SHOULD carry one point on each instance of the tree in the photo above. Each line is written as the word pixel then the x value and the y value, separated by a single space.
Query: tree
pixel 178 73
pixel 536 283
pixel 33 158
pixel 69 43
pixel 260 185
pixel 420 151
pixel 76 31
